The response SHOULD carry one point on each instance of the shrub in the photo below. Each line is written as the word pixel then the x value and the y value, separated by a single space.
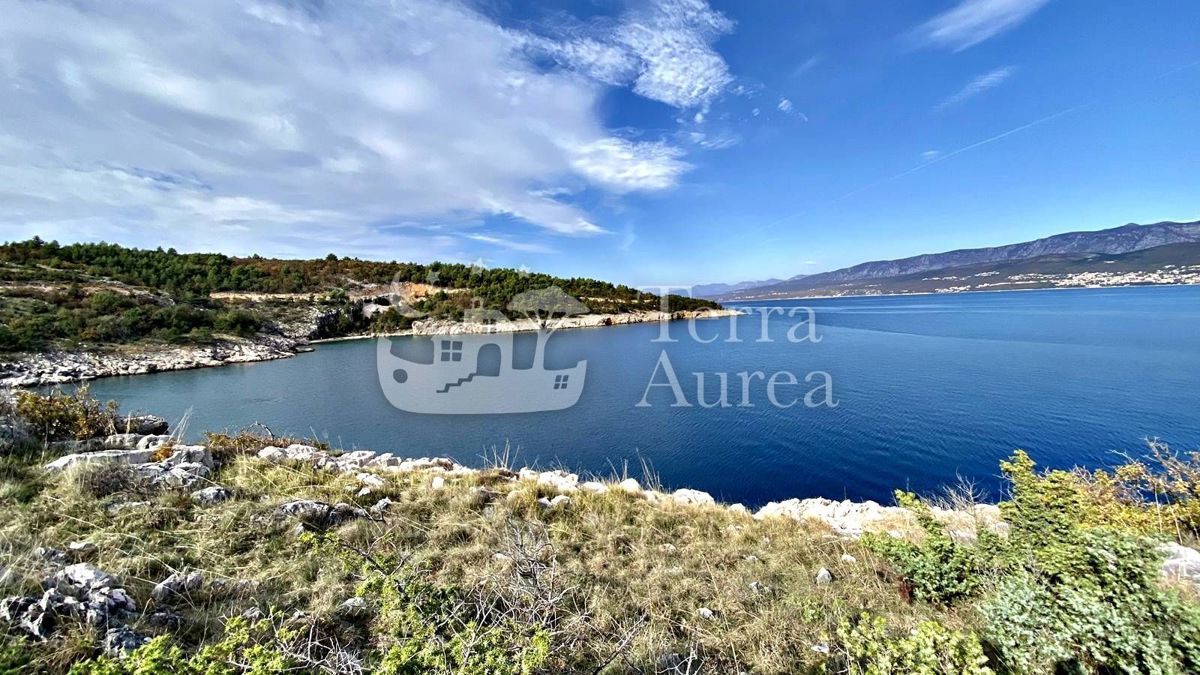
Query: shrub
pixel 939 569
pixel 258 647
pixel 240 322
pixel 1084 598
pixel 930 649
pixel 59 416
pixel 1095 607
pixel 1159 494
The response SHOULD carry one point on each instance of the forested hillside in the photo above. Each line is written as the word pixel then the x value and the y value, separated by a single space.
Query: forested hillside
pixel 52 294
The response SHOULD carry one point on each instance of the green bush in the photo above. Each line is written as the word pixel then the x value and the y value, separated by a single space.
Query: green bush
pixel 930 649
pixel 938 569
pixel 1097 607
pixel 1060 593
pixel 258 648
pixel 58 416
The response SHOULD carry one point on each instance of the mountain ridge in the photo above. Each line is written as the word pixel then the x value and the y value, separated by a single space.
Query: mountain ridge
pixel 1112 241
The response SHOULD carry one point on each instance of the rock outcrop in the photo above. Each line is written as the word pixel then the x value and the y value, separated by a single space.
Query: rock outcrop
pixel 79 592
pixel 853 518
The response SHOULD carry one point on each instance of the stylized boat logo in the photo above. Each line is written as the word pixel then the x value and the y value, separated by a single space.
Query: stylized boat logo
pixel 486 372
pixel 476 375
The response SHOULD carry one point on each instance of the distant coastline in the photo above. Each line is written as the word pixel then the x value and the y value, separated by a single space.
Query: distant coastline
pixel 64 367
pixel 981 290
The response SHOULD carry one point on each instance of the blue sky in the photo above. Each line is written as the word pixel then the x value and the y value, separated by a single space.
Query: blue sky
pixel 649 141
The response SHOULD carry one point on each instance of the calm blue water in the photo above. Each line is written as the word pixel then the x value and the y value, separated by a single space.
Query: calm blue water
pixel 928 388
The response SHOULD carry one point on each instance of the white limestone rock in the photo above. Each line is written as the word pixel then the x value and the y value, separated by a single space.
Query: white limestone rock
pixel 214 494
pixel 130 457
pixel 689 497
pixel 1181 563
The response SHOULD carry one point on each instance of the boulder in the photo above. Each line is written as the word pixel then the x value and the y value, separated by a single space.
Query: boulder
pixel 823 577
pixel 594 487
pixel 429 464
pixel 177 584
pixel 214 494
pixel 80 591
pixel 844 517
pixel 559 500
pixel 51 555
pixel 120 641
pixel 190 454
pixel 630 485
pixel 354 460
pixel 151 442
pixel 82 550
pixel 319 514
pixel 122 441
pixel 1181 563
pixel 145 424
pixel 692 497
pixel 559 480
pixel 166 474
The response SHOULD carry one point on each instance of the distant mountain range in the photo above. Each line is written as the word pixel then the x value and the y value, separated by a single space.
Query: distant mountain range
pixel 1060 260
pixel 716 290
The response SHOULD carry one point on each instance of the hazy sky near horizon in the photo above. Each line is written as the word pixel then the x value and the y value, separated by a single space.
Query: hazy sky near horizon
pixel 640 141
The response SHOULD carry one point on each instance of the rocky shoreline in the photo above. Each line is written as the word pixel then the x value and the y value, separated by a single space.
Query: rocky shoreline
pixel 63 367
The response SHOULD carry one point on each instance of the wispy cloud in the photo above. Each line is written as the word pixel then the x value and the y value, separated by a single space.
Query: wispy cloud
pixel 663 49
pixel 785 105
pixel 973 21
pixel 300 127
pixel 509 243
pixel 626 166
pixel 976 87
pixel 808 64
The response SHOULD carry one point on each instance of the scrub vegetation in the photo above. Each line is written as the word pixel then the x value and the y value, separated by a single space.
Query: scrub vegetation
pixel 471 573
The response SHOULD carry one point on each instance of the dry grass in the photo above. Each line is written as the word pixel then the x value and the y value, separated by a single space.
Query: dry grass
pixel 618 582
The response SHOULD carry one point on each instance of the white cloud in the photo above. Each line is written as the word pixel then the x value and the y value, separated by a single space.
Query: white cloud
pixel 510 244
pixel 664 48
pixel 294 128
pixel 785 105
pixel 930 155
pixel 808 64
pixel 977 86
pixel 714 141
pixel 973 21
pixel 624 166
